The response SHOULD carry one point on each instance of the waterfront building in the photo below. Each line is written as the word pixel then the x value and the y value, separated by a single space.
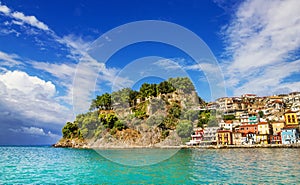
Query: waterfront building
pixel 236 138
pixel 290 135
pixel 224 137
pixel 275 138
pixel 197 137
pixel 209 136
pixel 248 133
pixel 262 136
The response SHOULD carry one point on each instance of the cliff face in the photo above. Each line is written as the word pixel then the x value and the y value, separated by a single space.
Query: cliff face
pixel 153 121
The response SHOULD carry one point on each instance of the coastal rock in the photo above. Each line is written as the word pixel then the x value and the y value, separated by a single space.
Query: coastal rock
pixel 71 143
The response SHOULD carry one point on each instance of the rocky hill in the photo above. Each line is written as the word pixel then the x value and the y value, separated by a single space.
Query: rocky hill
pixel 157 115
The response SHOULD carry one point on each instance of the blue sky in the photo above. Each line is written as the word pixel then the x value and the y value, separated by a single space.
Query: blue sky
pixel 42 43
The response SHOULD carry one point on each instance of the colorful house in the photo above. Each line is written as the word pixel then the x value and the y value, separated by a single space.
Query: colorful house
pixel 252 119
pixel 291 118
pixel 224 137
pixel 290 135
pixel 275 138
pixel 248 132
pixel 277 127
pixel 197 137
pixel 262 136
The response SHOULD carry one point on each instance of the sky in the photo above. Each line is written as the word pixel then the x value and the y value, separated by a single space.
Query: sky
pixel 52 54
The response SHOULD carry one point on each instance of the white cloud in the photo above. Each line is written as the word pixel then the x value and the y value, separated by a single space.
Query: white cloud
pixel 4 9
pixel 31 20
pixel 77 45
pixel 90 74
pixel 35 131
pixel 30 97
pixel 82 80
pixel 21 18
pixel 21 81
pixel 168 64
pixel 9 60
pixel 262 37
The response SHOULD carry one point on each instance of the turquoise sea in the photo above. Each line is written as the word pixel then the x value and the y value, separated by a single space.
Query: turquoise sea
pixel 41 165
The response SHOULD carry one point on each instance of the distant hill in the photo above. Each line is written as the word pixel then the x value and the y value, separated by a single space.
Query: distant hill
pixel 161 114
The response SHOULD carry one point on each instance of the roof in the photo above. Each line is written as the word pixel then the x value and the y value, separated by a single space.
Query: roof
pixel 275 122
pixel 289 111
pixel 262 123
pixel 290 127
pixel 223 131
pixel 249 125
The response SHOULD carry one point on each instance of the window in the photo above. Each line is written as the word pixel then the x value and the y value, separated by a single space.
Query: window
pixel 289 118
pixel 293 118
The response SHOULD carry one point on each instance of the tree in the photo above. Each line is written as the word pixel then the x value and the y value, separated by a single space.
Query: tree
pixel 119 125
pixel 110 120
pixel 191 115
pixel 70 130
pixel 184 129
pixel 182 83
pixel 175 111
pixel 148 90
pixel 155 119
pixel 261 114
pixel 165 87
pixel 203 118
pixel 102 102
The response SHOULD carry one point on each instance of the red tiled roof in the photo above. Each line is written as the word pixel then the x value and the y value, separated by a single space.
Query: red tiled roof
pixel 289 111
pixel 262 123
pixel 249 125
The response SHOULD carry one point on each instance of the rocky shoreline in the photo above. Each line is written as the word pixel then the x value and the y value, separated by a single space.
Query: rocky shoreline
pixel 76 143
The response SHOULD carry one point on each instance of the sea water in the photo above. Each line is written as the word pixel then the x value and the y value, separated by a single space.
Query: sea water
pixel 44 165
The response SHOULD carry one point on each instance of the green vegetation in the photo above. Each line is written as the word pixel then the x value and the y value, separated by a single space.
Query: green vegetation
pixel 261 114
pixel 184 128
pixel 229 117
pixel 153 106
pixel 71 130
pixel 207 118
pixel 102 102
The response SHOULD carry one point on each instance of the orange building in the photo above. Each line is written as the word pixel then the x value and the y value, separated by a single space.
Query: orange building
pixel 224 137
pixel 245 129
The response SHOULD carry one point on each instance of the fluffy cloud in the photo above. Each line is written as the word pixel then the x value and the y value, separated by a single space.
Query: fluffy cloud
pixel 262 39
pixel 32 98
pixel 21 18
pixel 4 9
pixel 31 20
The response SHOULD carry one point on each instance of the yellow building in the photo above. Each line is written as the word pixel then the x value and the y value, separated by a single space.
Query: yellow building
pixel 224 137
pixel 263 133
pixel 291 118
pixel 277 127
